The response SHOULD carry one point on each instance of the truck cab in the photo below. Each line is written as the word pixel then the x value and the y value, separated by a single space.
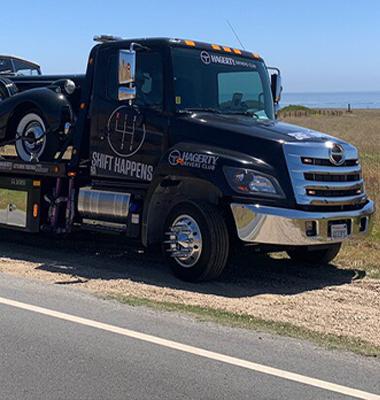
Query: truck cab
pixel 176 142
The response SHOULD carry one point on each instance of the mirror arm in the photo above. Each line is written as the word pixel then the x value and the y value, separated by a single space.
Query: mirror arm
pixel 135 45
pixel 275 69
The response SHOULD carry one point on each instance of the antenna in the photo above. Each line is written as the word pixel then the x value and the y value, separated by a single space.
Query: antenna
pixel 234 32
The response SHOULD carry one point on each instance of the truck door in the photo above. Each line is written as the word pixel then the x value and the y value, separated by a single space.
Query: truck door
pixel 127 140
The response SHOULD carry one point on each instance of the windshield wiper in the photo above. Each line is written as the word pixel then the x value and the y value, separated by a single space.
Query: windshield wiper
pixel 201 109
pixel 248 113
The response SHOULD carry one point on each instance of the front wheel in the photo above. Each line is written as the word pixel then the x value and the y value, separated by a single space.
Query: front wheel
pixel 196 241
pixel 33 141
pixel 308 255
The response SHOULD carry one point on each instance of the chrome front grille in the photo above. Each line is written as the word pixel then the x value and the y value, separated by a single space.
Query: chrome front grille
pixel 318 182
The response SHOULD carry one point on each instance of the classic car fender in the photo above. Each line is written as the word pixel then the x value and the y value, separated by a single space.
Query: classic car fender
pixel 53 106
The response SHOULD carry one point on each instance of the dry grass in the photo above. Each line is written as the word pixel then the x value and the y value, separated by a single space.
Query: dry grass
pixel 362 128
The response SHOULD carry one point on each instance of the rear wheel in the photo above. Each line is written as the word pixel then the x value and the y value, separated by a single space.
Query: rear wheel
pixel 33 141
pixel 318 256
pixel 196 241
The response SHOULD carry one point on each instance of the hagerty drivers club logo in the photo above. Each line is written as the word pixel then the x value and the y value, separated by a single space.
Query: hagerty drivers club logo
pixel 126 131
pixel 205 57
pixel 208 59
pixel 192 160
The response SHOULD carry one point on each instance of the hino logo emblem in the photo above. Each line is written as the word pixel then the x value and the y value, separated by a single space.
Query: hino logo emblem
pixel 337 156
pixel 205 57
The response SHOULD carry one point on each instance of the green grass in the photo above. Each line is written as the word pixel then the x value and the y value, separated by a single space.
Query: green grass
pixel 245 321
pixel 293 107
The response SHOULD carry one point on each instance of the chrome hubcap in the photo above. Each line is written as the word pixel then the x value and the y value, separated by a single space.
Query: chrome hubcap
pixel 185 241
pixel 34 135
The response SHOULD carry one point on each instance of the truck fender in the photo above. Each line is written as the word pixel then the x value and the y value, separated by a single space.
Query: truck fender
pixel 55 108
pixel 186 172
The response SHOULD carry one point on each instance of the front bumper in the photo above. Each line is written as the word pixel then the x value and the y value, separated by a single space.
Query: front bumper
pixel 287 227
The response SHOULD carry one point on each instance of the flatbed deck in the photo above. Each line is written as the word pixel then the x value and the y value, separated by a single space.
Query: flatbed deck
pixel 13 165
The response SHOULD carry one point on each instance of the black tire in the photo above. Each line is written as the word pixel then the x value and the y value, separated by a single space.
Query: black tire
pixel 49 144
pixel 308 255
pixel 215 242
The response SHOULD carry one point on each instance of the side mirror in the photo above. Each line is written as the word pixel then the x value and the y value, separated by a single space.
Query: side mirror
pixel 127 75
pixel 276 85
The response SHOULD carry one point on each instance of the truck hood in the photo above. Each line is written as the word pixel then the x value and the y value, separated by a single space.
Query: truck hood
pixel 264 129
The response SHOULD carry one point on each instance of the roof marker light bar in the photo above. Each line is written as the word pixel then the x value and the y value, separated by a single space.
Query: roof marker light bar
pixel 106 38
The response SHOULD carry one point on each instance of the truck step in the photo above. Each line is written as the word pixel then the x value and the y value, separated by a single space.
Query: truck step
pixel 103 226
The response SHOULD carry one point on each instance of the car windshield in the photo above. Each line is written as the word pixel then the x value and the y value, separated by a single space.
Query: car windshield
pixel 24 68
pixel 221 83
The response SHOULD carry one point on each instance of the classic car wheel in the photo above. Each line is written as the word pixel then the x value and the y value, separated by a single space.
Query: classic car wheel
pixel 33 141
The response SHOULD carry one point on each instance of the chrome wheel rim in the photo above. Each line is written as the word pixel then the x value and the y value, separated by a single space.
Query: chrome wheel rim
pixel 31 137
pixel 185 241
pixel 34 136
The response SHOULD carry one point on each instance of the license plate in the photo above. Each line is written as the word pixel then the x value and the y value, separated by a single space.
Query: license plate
pixel 339 231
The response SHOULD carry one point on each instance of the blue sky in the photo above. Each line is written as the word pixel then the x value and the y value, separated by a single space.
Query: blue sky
pixel 319 46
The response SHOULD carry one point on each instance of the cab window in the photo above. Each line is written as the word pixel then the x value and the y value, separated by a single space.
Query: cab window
pixel 149 80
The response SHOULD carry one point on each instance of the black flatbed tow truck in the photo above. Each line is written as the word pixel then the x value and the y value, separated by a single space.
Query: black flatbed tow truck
pixel 176 142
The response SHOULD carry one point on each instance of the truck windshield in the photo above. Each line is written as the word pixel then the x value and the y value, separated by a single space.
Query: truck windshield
pixel 221 83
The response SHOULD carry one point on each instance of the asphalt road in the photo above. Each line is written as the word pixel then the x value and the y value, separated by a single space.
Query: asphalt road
pixel 106 354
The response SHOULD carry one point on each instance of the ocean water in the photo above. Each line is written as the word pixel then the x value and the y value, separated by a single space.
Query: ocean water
pixel 357 100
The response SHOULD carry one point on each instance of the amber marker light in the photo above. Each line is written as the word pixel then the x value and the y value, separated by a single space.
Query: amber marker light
pixel 82 106
pixel 35 210
pixel 237 51
pixel 190 43
pixel 216 47
pixel 257 56
pixel 71 174
pixel 227 49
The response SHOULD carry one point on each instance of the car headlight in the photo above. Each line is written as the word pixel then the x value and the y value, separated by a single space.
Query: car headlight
pixel 252 182
pixel 69 86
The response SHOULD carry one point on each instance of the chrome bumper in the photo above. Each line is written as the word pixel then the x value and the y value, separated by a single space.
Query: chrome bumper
pixel 287 227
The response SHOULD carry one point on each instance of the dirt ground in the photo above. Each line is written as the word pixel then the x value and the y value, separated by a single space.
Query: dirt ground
pixel 328 299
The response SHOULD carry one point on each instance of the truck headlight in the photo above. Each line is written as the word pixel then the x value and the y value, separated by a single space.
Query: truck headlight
pixel 252 182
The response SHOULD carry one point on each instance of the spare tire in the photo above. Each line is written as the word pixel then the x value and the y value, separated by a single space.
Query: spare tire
pixel 34 142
